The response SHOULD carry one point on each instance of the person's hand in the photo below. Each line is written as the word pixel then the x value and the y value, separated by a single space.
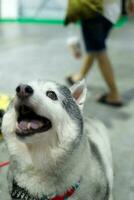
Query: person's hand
pixel 130 7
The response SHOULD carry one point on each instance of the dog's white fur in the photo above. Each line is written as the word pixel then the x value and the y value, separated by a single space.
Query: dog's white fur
pixel 45 163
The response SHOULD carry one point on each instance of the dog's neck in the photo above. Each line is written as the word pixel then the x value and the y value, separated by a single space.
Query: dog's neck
pixel 50 159
pixel 56 150
pixel 50 167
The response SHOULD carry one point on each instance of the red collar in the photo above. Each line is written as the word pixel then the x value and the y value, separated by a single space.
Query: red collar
pixel 21 193
pixel 66 195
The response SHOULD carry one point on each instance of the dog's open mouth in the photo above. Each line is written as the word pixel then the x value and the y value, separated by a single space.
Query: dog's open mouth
pixel 29 123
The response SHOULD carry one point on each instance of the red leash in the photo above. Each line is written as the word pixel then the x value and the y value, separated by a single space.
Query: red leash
pixel 3 164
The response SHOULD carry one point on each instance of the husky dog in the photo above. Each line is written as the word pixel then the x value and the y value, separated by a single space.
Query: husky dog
pixel 54 154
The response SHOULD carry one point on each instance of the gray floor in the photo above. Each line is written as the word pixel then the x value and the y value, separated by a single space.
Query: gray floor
pixel 37 51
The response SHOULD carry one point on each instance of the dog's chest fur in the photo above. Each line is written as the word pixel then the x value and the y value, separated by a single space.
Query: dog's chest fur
pixel 60 175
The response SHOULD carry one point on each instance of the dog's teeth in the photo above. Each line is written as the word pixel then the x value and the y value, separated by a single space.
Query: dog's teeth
pixel 18 128
pixel 29 126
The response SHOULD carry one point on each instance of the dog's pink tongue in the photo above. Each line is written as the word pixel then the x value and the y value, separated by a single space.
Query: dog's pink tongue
pixel 34 124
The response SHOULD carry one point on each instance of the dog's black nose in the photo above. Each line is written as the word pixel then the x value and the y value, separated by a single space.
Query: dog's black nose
pixel 24 91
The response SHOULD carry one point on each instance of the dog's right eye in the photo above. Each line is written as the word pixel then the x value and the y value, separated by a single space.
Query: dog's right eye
pixel 52 95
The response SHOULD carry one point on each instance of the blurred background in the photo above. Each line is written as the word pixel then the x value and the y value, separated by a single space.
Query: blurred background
pixel 33 45
pixel 37 9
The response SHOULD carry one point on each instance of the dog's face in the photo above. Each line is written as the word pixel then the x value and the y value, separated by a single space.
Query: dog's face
pixel 45 111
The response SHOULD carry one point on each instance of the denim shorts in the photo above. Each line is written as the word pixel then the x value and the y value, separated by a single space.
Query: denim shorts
pixel 95 32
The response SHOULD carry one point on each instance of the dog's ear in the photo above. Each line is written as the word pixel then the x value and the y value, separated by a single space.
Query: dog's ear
pixel 79 92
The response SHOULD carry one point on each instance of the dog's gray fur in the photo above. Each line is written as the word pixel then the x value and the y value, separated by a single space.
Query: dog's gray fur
pixel 52 161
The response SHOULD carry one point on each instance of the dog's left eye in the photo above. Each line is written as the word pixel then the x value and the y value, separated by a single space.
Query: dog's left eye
pixel 52 95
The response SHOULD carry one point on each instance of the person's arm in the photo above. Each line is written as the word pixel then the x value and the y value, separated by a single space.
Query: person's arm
pixel 130 7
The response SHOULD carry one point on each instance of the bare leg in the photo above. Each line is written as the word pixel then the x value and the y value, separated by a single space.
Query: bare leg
pixel 88 61
pixel 107 72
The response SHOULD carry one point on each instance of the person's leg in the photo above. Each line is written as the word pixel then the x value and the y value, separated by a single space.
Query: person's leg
pixel 104 63
pixel 87 64
pixel 87 27
pixel 108 75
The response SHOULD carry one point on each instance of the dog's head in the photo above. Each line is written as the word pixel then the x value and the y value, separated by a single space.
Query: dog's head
pixel 46 111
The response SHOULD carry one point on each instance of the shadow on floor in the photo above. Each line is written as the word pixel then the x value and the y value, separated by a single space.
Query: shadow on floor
pixel 107 114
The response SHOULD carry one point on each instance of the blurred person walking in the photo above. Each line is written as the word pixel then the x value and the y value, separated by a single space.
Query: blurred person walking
pixel 96 25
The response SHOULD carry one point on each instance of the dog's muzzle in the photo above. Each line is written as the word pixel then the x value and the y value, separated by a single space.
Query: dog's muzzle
pixel 28 121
